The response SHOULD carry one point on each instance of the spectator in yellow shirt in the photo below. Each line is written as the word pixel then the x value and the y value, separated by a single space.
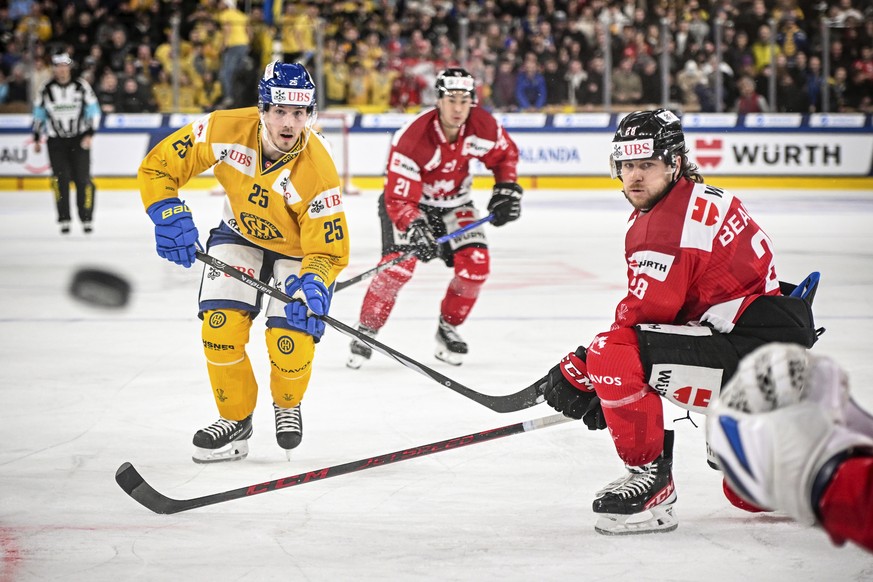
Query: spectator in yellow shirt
pixel 358 89
pixel 336 78
pixel 381 81
pixel 237 36
pixel 297 26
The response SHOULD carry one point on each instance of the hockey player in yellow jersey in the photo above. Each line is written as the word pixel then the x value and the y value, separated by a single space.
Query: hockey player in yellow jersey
pixel 283 219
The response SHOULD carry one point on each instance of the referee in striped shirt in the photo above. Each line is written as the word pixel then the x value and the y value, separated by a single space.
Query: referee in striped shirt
pixel 67 112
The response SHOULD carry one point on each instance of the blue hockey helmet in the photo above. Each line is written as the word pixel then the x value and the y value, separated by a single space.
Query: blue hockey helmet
pixel 287 84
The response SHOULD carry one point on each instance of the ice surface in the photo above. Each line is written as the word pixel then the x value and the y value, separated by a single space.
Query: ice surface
pixel 84 390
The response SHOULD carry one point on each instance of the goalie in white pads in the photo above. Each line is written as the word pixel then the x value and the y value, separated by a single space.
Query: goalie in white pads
pixel 283 220
pixel 789 437
pixel 701 292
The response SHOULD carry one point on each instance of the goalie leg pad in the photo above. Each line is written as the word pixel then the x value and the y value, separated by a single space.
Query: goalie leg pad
pixel 291 353
pixel 225 333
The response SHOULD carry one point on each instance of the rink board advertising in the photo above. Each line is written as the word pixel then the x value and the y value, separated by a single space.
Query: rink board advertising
pixel 838 145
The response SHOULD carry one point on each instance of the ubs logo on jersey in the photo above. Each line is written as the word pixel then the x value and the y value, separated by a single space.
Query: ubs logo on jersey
pixel 259 228
pixel 237 156
pixel 240 158
pixel 327 203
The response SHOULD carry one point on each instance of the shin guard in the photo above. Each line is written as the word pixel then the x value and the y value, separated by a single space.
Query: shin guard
pixel 225 333
pixel 632 410
pixel 472 265
pixel 291 354
pixel 382 292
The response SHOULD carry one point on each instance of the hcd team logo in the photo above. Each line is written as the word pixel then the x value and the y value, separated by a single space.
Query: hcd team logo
pixel 285 344
pixel 217 319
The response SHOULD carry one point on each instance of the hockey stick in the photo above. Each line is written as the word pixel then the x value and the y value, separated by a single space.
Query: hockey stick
pixel 520 400
pixel 134 485
pixel 384 266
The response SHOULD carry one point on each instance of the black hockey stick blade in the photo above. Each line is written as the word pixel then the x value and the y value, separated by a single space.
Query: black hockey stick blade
pixel 520 400
pixel 340 285
pixel 130 480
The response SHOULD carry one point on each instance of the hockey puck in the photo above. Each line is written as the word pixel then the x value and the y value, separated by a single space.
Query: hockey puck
pixel 100 288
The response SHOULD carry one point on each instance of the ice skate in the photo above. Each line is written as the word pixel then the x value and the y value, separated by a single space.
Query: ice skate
pixel 65 227
pixel 223 440
pixel 640 502
pixel 450 347
pixel 361 352
pixel 87 227
pixel 289 427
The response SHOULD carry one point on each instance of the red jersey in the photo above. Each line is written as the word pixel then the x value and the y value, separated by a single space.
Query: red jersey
pixel 846 508
pixel 425 169
pixel 696 256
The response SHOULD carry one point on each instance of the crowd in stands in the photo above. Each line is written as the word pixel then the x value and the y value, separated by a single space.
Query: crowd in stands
pixel 380 55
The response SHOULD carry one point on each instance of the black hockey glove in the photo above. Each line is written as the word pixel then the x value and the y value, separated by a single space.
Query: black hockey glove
pixel 421 237
pixel 505 203
pixel 575 399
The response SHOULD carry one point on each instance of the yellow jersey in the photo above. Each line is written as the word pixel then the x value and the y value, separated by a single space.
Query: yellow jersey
pixel 292 206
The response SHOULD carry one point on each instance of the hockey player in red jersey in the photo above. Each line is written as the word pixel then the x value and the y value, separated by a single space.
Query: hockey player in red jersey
pixel 789 437
pixel 427 195
pixel 702 292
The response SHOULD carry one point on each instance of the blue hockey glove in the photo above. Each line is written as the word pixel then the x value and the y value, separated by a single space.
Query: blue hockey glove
pixel 175 233
pixel 312 301
pixel 420 235
pixel 505 203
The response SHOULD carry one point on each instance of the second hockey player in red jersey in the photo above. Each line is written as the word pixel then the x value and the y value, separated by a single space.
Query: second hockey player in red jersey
pixel 427 195
pixel 702 292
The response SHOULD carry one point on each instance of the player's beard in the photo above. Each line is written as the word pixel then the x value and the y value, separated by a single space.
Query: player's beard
pixel 644 198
